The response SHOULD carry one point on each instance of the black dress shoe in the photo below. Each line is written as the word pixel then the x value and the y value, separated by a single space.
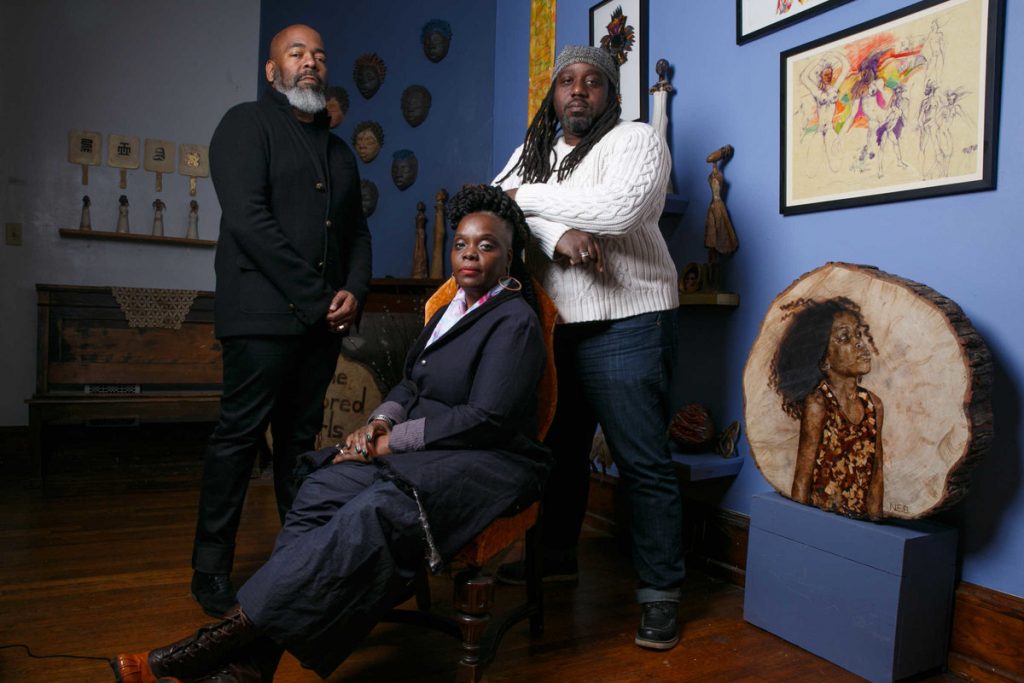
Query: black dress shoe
pixel 213 592
pixel 659 625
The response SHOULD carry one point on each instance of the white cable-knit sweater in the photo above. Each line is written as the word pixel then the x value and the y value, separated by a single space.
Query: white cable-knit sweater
pixel 617 194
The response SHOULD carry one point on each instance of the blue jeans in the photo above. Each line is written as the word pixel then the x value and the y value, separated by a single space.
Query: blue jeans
pixel 616 373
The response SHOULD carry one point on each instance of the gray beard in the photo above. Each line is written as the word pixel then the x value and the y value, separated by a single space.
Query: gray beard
pixel 304 99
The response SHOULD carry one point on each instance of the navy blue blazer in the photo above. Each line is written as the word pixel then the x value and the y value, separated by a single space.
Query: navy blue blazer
pixel 476 386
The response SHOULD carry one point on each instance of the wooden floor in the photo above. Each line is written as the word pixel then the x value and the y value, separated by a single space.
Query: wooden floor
pixel 97 562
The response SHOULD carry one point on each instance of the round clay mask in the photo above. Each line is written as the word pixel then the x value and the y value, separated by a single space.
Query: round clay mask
pixel 415 104
pixel 368 73
pixel 436 36
pixel 367 139
pixel 368 191
pixel 404 168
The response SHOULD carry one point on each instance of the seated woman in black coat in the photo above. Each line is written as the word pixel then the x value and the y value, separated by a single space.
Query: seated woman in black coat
pixel 455 437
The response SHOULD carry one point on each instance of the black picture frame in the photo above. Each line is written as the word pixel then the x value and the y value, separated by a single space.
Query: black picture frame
pixel 945 99
pixel 780 23
pixel 632 72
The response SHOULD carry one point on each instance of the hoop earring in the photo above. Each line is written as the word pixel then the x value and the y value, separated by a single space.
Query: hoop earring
pixel 509 283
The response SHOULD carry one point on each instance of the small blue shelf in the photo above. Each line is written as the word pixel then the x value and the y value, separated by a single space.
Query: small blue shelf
pixel 703 466
pixel 698 466
pixel 675 205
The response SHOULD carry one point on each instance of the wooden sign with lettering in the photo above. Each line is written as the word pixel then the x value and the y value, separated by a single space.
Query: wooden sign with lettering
pixel 194 162
pixel 123 154
pixel 84 149
pixel 867 394
pixel 158 158
pixel 351 396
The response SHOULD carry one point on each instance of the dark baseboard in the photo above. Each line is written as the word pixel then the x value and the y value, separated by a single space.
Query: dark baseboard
pixel 987 641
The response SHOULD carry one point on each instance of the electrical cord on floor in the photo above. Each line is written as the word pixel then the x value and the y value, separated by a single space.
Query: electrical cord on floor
pixel 57 656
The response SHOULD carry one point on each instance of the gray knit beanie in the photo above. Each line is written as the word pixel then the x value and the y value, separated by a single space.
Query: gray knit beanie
pixel 595 56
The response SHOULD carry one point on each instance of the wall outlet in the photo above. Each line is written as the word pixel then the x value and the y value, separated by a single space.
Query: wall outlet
pixel 12 234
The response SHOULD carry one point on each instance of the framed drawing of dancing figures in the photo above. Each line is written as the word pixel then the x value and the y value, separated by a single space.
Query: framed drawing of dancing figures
pixel 620 26
pixel 901 107
pixel 756 18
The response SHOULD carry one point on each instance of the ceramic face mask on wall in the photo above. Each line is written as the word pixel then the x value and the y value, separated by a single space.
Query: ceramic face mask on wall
pixel 367 139
pixel 404 168
pixel 368 72
pixel 369 193
pixel 437 37
pixel 415 104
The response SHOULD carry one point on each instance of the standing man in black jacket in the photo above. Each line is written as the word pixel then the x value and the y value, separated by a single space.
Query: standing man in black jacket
pixel 293 267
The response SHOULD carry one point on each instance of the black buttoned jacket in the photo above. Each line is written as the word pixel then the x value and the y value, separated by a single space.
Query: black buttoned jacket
pixel 292 232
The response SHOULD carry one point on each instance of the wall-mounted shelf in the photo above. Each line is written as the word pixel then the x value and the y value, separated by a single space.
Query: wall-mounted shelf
pixel 702 466
pixel 132 237
pixel 709 299
pixel 675 205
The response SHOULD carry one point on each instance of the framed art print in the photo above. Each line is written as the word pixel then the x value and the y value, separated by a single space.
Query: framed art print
pixel 756 18
pixel 901 107
pixel 620 26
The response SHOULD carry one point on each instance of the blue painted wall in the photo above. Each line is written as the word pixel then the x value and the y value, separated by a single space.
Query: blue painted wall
pixel 965 246
pixel 453 145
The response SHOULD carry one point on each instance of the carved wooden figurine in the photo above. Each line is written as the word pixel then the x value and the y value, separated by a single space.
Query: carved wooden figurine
pixel 437 254
pixel 122 214
pixel 193 220
pixel 719 237
pixel 659 105
pixel 158 217
pixel 419 254
pixel 85 222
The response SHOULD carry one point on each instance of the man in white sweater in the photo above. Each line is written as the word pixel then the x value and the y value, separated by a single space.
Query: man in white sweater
pixel 592 188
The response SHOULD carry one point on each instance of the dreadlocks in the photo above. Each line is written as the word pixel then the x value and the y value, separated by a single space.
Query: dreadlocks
pixel 492 200
pixel 535 161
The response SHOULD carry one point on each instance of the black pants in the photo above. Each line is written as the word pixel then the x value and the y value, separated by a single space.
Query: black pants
pixel 280 380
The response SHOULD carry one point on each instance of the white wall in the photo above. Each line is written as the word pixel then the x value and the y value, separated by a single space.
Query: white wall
pixel 149 68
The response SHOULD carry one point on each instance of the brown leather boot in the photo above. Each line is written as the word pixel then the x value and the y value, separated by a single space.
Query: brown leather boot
pixel 210 647
pixel 235 672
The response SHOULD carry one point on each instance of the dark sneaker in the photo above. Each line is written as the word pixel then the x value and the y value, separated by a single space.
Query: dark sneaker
pixel 659 625
pixel 213 592
pixel 514 573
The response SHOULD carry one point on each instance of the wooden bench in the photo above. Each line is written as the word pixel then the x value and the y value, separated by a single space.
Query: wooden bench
pixel 93 368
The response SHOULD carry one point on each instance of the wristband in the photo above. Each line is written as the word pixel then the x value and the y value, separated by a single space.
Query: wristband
pixel 383 418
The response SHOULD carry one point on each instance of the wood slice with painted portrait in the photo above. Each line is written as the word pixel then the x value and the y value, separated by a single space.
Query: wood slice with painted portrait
pixel 867 394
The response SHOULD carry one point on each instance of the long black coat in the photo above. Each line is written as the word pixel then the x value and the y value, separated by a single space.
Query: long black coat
pixel 352 539
pixel 292 231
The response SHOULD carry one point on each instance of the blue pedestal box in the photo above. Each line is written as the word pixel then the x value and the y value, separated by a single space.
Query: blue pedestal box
pixel 875 599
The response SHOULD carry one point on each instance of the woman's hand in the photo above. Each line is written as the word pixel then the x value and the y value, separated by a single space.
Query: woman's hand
pixel 365 443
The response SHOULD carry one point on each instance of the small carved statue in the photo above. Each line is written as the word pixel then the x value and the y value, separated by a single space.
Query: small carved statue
pixel 337 104
pixel 122 214
pixel 367 139
pixel 660 92
pixel 369 195
pixel 719 236
pixel 437 253
pixel 437 37
pixel 85 222
pixel 419 254
pixel 158 217
pixel 193 221
pixel 415 104
pixel 368 73
pixel 404 168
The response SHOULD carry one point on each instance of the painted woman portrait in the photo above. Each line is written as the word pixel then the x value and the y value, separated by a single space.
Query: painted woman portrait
pixel 817 369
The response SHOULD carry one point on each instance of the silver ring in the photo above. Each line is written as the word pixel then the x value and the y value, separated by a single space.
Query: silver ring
pixel 584 254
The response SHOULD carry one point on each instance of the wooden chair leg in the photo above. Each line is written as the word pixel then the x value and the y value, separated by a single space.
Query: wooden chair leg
pixel 474 598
